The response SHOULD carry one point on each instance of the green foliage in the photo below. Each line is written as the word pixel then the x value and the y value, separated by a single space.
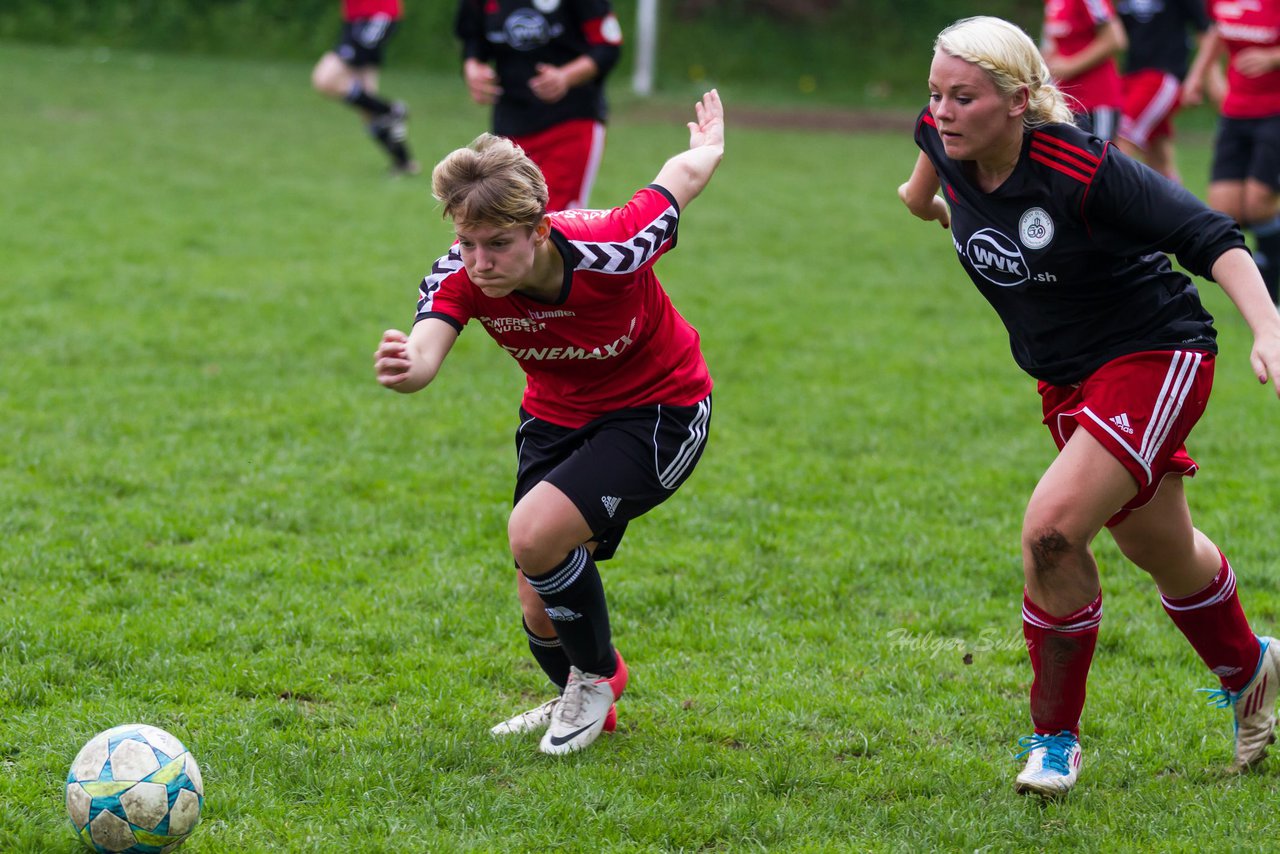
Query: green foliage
pixel 212 519
pixel 858 53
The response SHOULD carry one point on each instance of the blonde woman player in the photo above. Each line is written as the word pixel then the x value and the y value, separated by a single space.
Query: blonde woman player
pixel 1065 237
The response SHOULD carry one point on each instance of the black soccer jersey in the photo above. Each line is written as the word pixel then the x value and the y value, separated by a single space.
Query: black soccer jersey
pixel 1159 33
pixel 1068 250
pixel 519 35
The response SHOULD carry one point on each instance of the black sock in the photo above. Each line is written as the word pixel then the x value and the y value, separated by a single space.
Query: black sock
pixel 1267 255
pixel 397 148
pixel 357 97
pixel 575 601
pixel 550 656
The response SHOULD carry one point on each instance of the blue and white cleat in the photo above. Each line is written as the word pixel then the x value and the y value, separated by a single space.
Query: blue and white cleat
pixel 1053 764
pixel 1254 707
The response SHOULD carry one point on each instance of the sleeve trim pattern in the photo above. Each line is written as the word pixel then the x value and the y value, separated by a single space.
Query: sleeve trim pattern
pixel 443 268
pixel 628 256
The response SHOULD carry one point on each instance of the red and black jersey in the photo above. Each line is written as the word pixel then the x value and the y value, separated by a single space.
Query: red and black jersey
pixel 1242 25
pixel 1069 27
pixel 355 10
pixel 1160 33
pixel 519 35
pixel 612 339
pixel 1069 250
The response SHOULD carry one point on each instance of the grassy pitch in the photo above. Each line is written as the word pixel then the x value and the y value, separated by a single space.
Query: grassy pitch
pixel 214 521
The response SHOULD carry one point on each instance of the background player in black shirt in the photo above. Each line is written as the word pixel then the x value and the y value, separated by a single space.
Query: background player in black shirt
pixel 542 64
pixel 1065 237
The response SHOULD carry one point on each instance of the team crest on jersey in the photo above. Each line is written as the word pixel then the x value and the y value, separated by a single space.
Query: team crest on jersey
pixel 546 6
pixel 1036 228
pixel 996 258
pixel 527 30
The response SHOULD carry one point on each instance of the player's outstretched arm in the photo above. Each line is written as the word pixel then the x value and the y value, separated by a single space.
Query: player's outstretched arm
pixel 1198 78
pixel 687 174
pixel 1238 276
pixel 408 363
pixel 920 193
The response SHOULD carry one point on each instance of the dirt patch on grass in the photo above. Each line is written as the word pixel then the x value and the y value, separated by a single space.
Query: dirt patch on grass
pixel 830 120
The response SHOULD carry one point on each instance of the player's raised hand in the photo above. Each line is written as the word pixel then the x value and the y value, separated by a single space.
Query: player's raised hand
pixel 708 130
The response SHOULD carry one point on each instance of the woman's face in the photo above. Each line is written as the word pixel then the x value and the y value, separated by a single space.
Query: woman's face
pixel 974 120
pixel 498 260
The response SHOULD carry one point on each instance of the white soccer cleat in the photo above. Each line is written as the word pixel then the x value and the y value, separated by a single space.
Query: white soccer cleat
pixel 583 710
pixel 1254 707
pixel 534 720
pixel 1053 764
pixel 537 719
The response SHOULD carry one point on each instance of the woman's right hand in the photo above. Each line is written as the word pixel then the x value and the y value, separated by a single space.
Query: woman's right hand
pixel 391 361
pixel 482 81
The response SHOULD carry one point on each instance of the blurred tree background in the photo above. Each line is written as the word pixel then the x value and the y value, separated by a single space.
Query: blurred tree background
pixel 850 52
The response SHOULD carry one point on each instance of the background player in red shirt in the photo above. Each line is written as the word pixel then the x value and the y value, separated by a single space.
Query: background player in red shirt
pixel 1081 41
pixel 542 64
pixel 349 73
pixel 618 398
pixel 1245 180
pixel 1065 236
pixel 1159 50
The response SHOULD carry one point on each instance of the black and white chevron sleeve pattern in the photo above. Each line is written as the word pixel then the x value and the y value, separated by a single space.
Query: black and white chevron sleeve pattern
pixel 444 267
pixel 629 256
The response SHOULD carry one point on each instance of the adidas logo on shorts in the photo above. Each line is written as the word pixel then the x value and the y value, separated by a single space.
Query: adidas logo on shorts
pixel 610 503
pixel 1122 421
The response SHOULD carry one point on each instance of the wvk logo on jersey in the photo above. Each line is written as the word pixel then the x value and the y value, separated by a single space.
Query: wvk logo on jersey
pixel 997 258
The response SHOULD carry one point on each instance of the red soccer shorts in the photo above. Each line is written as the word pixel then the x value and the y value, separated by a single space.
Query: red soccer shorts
pixel 1141 407
pixel 1151 97
pixel 569 156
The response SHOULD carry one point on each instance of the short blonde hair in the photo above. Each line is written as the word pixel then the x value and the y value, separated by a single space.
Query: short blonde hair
pixel 490 182
pixel 1012 60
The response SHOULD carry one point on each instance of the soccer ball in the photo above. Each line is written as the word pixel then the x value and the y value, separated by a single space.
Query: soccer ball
pixel 135 789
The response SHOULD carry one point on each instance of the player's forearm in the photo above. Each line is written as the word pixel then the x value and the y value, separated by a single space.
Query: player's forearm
pixel 580 71
pixel 687 174
pixel 1237 275
pixel 919 192
pixel 1111 40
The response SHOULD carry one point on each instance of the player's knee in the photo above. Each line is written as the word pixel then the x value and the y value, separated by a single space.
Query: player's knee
pixel 1049 549
pixel 327 77
pixel 528 540
pixel 1259 210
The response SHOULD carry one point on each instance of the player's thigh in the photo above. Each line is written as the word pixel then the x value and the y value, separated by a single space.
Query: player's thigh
pixel 1159 532
pixel 1261 203
pixel 1084 487
pixel 331 75
pixel 544 526
pixel 368 77
pixel 1227 197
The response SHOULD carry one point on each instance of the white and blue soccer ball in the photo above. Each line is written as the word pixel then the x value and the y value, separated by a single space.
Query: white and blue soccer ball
pixel 135 789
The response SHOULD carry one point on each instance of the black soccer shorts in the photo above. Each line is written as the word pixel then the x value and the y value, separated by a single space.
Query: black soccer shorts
pixel 1247 148
pixel 616 468
pixel 363 41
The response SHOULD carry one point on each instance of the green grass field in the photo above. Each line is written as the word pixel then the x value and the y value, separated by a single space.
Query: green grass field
pixel 213 520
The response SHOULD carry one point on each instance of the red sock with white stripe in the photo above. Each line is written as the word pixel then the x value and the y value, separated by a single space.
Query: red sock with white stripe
pixel 1061 650
pixel 1215 624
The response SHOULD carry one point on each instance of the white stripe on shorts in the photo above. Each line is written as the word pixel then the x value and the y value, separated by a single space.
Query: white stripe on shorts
pixel 1138 130
pixel 670 476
